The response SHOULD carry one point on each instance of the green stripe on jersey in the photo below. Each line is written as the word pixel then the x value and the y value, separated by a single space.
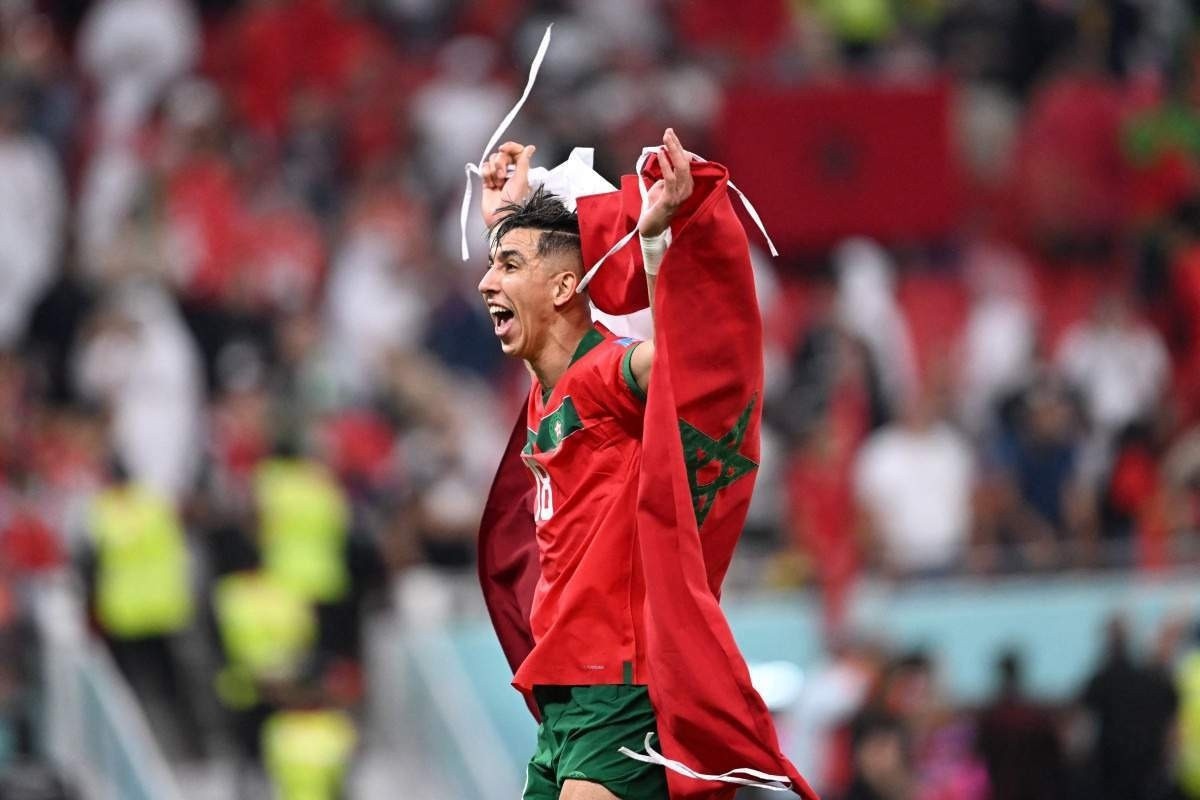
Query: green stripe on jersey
pixel 557 425
pixel 627 373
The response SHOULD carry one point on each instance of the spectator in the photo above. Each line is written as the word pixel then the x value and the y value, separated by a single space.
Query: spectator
pixel 456 111
pixel 1018 740
pixel 138 570
pixel 998 343
pixel 1119 366
pixel 943 762
pixel 308 750
pixel 833 379
pixel 1181 475
pixel 868 309
pixel 821 514
pixel 28 545
pixel 1045 511
pixel 133 50
pixel 138 361
pixel 1135 709
pixel 829 698
pixel 266 634
pixel 375 301
pixel 1133 514
pixel 39 64
pixel 882 760
pixel 914 481
pixel 307 544
pixel 303 521
pixel 31 216
pixel 303 384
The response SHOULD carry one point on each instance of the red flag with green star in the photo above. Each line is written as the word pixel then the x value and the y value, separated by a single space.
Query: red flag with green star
pixel 699 458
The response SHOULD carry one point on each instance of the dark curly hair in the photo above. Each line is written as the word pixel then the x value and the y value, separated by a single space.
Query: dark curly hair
pixel 542 211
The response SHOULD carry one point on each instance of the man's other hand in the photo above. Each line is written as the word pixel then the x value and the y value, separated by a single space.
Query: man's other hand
pixel 500 188
pixel 669 192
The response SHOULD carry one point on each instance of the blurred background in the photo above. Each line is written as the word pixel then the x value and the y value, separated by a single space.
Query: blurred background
pixel 250 403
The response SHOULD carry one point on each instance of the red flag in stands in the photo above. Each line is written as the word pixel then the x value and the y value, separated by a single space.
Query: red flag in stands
pixel 860 160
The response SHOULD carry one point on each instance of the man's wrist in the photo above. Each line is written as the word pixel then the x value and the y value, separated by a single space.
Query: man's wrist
pixel 653 250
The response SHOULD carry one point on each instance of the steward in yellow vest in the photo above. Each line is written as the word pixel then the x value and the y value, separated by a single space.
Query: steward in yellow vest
pixel 142 584
pixel 304 521
pixel 137 570
pixel 308 752
pixel 1189 724
pixel 267 631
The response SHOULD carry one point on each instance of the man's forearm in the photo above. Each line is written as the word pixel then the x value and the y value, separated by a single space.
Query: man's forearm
pixel 654 248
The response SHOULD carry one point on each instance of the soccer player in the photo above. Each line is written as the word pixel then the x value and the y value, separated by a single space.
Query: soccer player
pixel 584 418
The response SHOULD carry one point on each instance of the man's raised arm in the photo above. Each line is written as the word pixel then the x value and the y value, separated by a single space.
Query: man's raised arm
pixel 663 200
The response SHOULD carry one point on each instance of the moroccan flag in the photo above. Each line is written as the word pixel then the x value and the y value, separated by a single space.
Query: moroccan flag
pixel 699 457
pixel 860 159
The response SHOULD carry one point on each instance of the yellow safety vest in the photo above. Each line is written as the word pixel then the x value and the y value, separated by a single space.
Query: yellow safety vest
pixel 859 21
pixel 1189 724
pixel 142 582
pixel 303 518
pixel 307 753
pixel 266 628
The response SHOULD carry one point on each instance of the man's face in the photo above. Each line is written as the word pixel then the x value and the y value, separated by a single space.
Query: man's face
pixel 519 292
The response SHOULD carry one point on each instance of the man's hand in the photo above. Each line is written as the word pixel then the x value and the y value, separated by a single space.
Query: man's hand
pixel 501 189
pixel 668 193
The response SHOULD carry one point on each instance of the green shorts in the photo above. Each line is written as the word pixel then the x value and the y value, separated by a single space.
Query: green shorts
pixel 581 731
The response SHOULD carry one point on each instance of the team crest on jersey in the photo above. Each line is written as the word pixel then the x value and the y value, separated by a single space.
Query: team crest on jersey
pixel 554 428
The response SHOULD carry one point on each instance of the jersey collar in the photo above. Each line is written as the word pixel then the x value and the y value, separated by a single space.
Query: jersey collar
pixel 586 345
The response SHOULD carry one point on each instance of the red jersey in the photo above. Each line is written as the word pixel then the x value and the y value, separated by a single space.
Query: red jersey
pixel 584 451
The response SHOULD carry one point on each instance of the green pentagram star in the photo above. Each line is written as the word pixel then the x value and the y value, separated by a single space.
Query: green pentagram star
pixel 700 450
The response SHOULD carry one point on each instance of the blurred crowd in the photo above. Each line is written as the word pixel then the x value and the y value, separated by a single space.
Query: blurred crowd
pixel 233 318
pixel 878 725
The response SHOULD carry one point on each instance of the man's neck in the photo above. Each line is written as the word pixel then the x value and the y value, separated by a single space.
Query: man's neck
pixel 550 364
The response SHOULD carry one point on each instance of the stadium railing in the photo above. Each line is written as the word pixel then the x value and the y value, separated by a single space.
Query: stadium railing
pixel 459 729
pixel 92 728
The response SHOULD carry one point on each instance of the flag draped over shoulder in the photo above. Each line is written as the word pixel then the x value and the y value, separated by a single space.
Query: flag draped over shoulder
pixel 699 457
pixel 508 562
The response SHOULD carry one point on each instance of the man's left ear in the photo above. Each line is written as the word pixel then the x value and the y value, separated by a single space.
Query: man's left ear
pixel 564 287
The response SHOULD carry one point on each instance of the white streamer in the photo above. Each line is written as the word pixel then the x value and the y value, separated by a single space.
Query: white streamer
pixel 757 779
pixel 753 212
pixel 591 273
pixel 512 114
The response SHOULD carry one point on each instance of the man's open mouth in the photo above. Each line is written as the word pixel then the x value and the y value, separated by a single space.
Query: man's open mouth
pixel 501 318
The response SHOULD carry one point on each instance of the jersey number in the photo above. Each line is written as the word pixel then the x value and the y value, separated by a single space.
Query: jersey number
pixel 544 504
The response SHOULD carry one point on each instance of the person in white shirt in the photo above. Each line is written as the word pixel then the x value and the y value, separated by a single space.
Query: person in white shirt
pixel 868 309
pixel 31 214
pixel 133 50
pixel 914 483
pixel 140 363
pixel 1120 367
pixel 1000 338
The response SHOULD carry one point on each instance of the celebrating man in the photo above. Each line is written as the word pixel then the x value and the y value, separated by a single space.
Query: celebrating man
pixel 601 590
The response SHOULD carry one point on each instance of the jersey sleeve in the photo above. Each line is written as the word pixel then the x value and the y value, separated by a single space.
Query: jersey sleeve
pixel 617 390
